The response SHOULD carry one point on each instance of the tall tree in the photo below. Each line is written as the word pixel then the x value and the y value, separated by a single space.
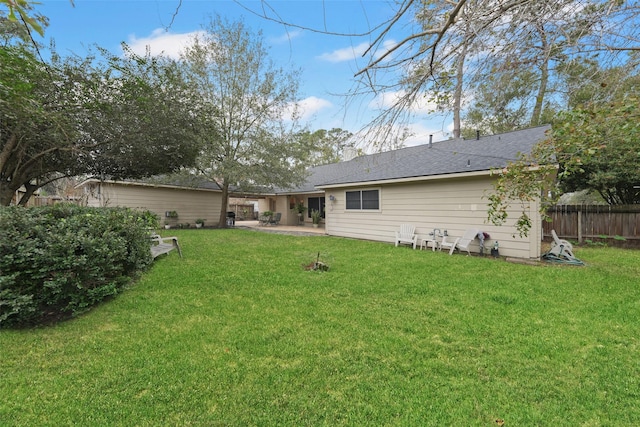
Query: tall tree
pixel 593 147
pixel 515 77
pixel 450 42
pixel 609 136
pixel 446 81
pixel 585 81
pixel 33 129
pixel 140 117
pixel 325 146
pixel 245 101
pixel 121 118
pixel 500 103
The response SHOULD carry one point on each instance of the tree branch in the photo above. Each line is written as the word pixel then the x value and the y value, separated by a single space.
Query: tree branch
pixel 279 20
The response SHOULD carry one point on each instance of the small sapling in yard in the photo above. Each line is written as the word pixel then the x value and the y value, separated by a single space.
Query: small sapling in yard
pixel 317 265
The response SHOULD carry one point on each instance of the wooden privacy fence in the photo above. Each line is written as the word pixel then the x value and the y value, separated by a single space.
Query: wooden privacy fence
pixel 593 222
pixel 242 211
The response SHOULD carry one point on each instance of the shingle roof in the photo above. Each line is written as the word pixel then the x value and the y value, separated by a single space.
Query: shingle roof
pixel 161 182
pixel 441 158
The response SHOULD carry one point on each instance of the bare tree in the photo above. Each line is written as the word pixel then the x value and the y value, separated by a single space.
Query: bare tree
pixel 454 42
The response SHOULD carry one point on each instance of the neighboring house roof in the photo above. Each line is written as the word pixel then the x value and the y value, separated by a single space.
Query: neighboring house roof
pixel 454 156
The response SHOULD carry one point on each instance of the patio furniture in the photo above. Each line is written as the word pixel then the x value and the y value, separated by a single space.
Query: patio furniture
pixel 429 242
pixel 407 235
pixel 447 243
pixel 432 240
pixel 561 242
pixel 163 245
pixel 275 219
pixel 264 219
pixel 231 219
pixel 467 238
pixel 561 251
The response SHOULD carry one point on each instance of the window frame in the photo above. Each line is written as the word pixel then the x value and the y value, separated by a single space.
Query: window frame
pixel 362 201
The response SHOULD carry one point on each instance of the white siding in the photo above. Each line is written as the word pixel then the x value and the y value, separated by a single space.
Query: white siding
pixel 451 204
pixel 190 204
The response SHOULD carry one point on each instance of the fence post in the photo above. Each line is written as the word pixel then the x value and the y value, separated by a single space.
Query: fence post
pixel 580 225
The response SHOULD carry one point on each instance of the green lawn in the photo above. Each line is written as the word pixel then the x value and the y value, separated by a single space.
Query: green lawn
pixel 238 333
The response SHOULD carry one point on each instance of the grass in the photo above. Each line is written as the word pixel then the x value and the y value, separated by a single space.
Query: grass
pixel 238 333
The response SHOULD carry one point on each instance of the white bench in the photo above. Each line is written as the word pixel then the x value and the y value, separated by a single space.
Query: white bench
pixel 163 245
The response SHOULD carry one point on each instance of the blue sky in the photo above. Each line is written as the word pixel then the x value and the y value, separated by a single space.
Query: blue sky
pixel 328 62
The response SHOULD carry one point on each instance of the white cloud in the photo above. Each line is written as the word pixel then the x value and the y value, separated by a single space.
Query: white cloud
pixel 353 52
pixel 286 37
pixel 387 100
pixel 374 139
pixel 162 42
pixel 309 107
pixel 420 134
pixel 387 45
pixel 345 54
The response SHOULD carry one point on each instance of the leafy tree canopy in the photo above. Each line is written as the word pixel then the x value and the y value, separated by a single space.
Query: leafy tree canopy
pixel 21 11
pixel 325 146
pixel 244 110
pixel 596 147
pixel 117 117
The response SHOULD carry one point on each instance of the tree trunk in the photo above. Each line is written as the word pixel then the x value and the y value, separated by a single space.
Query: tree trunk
pixel 6 195
pixel 457 97
pixel 544 79
pixel 225 203
pixel 29 190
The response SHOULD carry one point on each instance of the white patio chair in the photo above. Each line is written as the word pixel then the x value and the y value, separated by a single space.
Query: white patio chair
pixel 469 236
pixel 407 235
pixel 446 243
pixel 561 248
pixel 561 242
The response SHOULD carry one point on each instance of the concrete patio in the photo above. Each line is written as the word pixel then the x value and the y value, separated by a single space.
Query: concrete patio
pixel 306 229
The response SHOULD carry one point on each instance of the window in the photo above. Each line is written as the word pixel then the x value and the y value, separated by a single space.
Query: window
pixel 363 200
pixel 370 199
pixel 353 200
pixel 315 203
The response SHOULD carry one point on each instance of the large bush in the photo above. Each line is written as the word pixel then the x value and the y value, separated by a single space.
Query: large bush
pixel 58 261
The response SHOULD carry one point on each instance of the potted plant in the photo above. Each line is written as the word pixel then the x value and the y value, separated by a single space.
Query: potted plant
pixel 199 223
pixel 316 215
pixel 300 208
pixel 171 219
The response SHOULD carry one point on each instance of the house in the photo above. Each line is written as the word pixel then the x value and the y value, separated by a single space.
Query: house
pixel 200 200
pixel 440 185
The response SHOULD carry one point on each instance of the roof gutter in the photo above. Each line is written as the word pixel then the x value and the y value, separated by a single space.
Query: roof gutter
pixel 143 184
pixel 408 179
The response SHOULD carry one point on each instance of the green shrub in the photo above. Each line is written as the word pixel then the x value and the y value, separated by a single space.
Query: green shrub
pixel 58 261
